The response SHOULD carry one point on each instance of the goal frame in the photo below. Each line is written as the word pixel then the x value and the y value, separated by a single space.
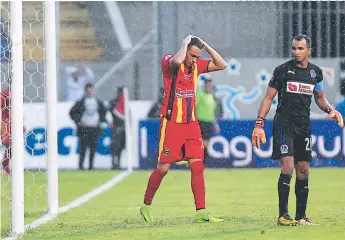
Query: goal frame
pixel 17 116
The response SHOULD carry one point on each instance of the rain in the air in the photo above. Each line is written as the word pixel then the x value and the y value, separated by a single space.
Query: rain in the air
pixel 172 120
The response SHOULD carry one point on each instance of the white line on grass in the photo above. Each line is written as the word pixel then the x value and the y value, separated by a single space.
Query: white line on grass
pixel 76 203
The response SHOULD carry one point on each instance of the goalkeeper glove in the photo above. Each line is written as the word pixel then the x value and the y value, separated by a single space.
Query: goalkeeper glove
pixel 258 133
pixel 334 114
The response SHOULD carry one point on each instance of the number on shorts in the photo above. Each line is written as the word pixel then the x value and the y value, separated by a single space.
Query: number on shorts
pixel 308 144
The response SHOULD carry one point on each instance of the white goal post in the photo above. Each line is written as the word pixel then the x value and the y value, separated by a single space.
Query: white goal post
pixel 17 159
pixel 17 171
pixel 49 106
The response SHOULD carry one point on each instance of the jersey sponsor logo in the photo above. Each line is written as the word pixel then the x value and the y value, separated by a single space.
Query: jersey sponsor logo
pixel 284 149
pixel 187 76
pixel 184 93
pixel 301 88
pixel 292 72
pixel 312 73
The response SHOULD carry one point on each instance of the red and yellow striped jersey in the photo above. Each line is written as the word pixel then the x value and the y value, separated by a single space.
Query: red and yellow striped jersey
pixel 180 90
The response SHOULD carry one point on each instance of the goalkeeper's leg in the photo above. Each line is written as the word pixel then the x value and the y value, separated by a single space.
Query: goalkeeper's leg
pixel 302 192
pixel 287 164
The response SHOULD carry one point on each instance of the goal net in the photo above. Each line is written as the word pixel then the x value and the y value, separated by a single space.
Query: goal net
pixel 25 67
pixel 33 143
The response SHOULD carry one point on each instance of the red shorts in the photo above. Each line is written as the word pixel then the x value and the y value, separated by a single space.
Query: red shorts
pixel 172 136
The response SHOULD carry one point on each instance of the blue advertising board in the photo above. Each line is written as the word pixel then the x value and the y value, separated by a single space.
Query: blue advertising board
pixel 35 142
pixel 232 148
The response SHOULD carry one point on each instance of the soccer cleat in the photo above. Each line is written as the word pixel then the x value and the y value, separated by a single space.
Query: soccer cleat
pixel 304 221
pixel 286 220
pixel 203 216
pixel 180 163
pixel 4 173
pixel 145 212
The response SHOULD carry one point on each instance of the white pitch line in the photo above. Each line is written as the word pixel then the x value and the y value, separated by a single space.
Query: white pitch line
pixel 76 203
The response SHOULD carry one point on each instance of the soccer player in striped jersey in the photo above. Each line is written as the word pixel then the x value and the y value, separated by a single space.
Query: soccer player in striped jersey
pixel 179 125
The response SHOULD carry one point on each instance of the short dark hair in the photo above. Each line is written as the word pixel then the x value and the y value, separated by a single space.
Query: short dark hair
pixel 195 42
pixel 88 85
pixel 300 37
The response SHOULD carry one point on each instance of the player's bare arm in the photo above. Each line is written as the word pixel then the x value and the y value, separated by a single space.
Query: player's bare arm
pixel 218 62
pixel 258 132
pixel 180 56
pixel 321 101
pixel 267 102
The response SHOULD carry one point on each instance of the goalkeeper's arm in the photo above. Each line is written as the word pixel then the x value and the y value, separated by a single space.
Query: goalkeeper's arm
pixel 258 132
pixel 321 101
pixel 267 102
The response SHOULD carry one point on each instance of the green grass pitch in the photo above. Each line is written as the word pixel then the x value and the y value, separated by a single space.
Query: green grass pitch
pixel 245 198
pixel 72 184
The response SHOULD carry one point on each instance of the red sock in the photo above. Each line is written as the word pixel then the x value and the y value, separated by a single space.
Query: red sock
pixel 5 162
pixel 152 186
pixel 198 184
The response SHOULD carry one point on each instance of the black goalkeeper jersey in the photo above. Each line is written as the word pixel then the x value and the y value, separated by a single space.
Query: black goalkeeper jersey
pixel 295 87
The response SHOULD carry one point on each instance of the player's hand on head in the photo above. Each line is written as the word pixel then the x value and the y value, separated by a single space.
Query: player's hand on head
pixel 188 39
pixel 337 116
pixel 258 134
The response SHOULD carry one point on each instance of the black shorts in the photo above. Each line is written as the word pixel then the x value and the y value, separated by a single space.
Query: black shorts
pixel 118 140
pixel 290 140
pixel 206 130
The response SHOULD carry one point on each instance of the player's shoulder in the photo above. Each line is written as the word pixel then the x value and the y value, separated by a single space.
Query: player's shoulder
pixel 283 67
pixel 314 67
pixel 167 56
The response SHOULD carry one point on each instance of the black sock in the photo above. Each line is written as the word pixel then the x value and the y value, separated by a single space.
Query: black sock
pixel 283 193
pixel 301 191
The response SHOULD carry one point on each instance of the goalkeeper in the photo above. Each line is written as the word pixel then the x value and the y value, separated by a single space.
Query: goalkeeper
pixel 295 82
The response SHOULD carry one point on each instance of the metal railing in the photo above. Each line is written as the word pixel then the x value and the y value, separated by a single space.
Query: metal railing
pixel 322 21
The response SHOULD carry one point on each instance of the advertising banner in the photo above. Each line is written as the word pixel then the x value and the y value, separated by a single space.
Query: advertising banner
pixel 233 148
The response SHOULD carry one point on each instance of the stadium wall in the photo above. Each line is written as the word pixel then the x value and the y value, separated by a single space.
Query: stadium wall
pixel 232 148
pixel 242 85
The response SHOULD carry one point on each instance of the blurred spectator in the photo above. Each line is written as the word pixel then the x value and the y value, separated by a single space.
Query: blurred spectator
pixel 340 107
pixel 4 49
pixel 77 78
pixel 88 114
pixel 206 106
pixel 118 139
pixel 219 107
pixel 156 107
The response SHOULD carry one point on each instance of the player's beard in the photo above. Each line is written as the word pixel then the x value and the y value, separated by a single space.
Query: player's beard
pixel 298 60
